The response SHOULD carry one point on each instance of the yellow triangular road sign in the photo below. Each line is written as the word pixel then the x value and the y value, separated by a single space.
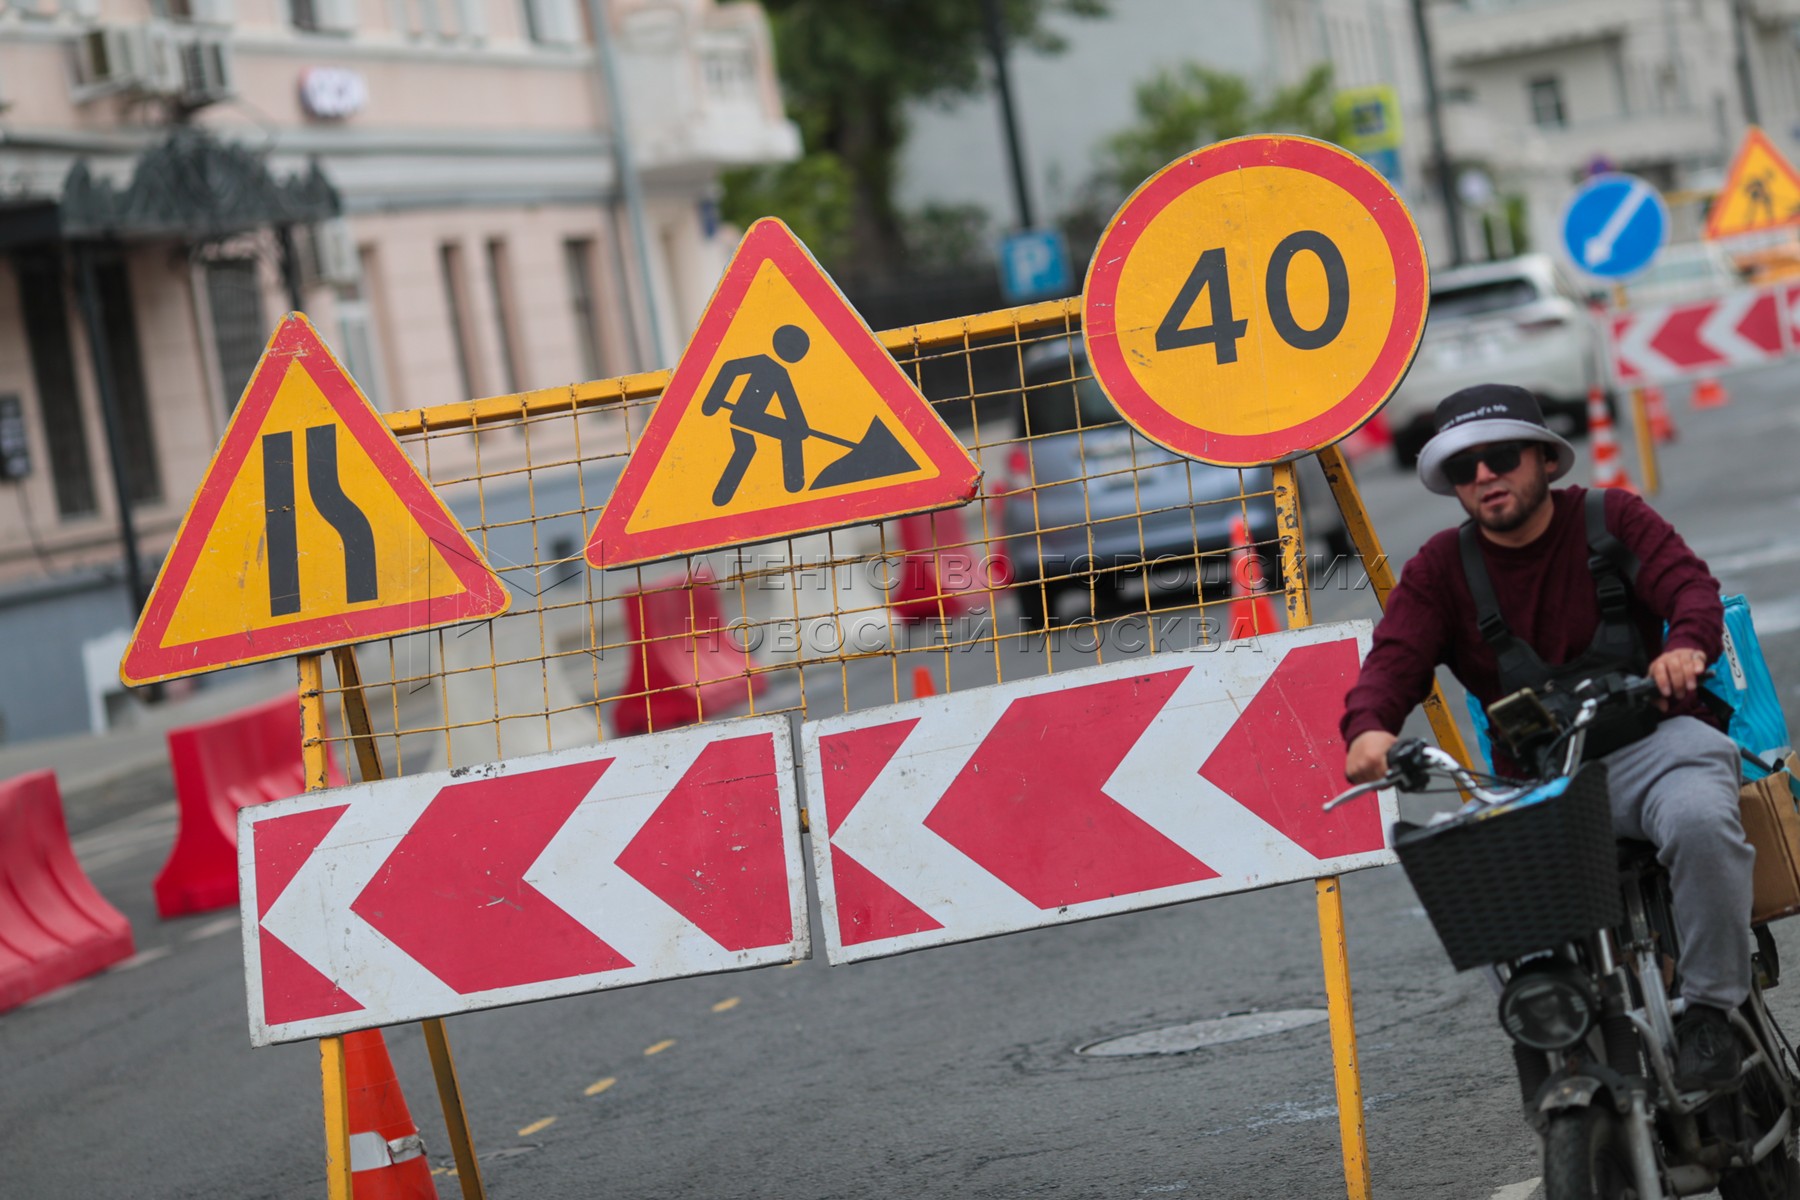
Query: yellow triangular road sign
pixel 311 529
pixel 783 416
pixel 1762 190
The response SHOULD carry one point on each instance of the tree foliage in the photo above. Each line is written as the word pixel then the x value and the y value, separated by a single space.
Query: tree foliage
pixel 848 68
pixel 1191 106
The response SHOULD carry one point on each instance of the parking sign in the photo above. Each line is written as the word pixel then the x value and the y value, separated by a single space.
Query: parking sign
pixel 1034 265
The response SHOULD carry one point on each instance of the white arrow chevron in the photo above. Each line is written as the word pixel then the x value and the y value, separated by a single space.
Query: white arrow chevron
pixel 1158 780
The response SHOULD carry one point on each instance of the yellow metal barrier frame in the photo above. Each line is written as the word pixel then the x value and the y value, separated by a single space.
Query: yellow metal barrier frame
pixel 1059 316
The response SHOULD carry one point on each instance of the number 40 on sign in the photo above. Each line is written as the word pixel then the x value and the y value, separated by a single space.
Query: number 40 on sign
pixel 1256 300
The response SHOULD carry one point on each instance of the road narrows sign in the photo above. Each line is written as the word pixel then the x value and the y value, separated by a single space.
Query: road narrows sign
pixel 549 875
pixel 783 416
pixel 1092 792
pixel 311 528
pixel 1762 190
pixel 1256 300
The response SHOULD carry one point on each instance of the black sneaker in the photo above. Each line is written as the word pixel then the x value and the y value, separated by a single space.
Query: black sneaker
pixel 1707 1053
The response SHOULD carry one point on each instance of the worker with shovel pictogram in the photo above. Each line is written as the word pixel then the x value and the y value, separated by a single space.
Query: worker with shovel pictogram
pixel 1756 191
pixel 767 387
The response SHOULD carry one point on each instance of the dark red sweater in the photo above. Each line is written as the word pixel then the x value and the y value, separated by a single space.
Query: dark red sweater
pixel 1547 597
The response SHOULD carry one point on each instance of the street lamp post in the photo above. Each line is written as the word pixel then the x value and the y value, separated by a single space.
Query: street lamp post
pixel 996 39
pixel 1440 154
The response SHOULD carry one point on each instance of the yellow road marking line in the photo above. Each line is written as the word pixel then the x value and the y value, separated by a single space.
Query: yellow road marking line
pixel 659 1047
pixel 727 1005
pixel 537 1126
pixel 599 1085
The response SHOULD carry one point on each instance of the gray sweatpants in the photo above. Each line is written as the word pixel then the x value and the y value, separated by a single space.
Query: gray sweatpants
pixel 1678 789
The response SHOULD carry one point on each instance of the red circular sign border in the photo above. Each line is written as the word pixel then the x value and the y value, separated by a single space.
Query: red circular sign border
pixel 1099 297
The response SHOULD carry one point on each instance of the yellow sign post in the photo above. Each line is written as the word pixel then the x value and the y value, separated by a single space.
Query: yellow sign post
pixel 1250 303
pixel 1256 300
pixel 311 529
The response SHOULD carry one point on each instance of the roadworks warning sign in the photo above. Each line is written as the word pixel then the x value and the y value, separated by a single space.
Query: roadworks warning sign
pixel 783 416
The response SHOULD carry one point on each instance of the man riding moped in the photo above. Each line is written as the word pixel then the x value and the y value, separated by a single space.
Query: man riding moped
pixel 1540 589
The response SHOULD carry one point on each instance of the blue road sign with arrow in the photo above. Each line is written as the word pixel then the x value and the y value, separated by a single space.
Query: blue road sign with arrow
pixel 1615 225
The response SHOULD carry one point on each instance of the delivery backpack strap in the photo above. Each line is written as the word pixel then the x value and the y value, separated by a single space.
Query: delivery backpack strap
pixel 1614 568
pixel 1615 571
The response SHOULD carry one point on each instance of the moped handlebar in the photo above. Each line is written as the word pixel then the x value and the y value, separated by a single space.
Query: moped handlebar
pixel 1412 763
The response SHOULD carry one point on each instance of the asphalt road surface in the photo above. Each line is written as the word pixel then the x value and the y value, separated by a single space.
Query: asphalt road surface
pixel 954 1072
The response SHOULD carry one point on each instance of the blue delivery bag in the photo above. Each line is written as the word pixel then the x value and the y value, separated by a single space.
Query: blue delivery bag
pixel 1741 679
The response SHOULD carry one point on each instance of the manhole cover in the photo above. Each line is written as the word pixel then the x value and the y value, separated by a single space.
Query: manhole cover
pixel 1181 1039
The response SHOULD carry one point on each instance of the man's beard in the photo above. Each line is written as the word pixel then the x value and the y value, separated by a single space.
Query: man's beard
pixel 1529 497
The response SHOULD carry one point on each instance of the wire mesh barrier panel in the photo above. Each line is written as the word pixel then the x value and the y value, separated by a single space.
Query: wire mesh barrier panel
pixel 1085 544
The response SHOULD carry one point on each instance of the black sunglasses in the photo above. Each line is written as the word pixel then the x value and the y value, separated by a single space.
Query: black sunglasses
pixel 1500 458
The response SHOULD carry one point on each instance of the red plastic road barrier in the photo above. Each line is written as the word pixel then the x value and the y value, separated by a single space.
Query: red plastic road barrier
pixel 939 575
pixel 684 657
pixel 1374 435
pixel 54 927
pixel 221 766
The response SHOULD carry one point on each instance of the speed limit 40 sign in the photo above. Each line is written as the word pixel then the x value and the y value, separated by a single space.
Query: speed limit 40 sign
pixel 1256 300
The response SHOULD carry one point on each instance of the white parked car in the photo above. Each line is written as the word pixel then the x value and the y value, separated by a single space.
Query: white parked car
pixel 1519 321
pixel 1681 274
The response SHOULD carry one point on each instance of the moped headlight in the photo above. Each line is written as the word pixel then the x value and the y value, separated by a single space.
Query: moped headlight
pixel 1548 1007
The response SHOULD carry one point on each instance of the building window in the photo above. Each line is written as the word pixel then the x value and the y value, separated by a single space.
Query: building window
pixel 456 301
pixel 323 16
pixel 213 12
pixel 552 22
pixel 1547 103
pixel 356 325
pixel 235 298
pixel 474 19
pixel 505 321
pixel 131 401
pixel 42 297
pixel 578 257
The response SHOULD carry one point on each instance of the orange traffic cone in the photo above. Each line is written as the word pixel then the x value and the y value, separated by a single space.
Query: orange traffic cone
pixel 1251 612
pixel 923 683
pixel 1609 466
pixel 387 1156
pixel 1710 393
pixel 1656 411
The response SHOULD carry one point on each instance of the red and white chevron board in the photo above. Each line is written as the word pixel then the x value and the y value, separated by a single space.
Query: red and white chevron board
pixel 1087 793
pixel 1739 329
pixel 556 874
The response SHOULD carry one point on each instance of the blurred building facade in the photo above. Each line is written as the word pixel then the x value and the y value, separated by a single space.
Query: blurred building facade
pixel 1539 93
pixel 1535 94
pixel 954 154
pixel 433 181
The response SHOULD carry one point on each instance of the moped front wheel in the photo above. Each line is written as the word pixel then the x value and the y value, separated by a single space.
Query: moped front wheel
pixel 1585 1157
